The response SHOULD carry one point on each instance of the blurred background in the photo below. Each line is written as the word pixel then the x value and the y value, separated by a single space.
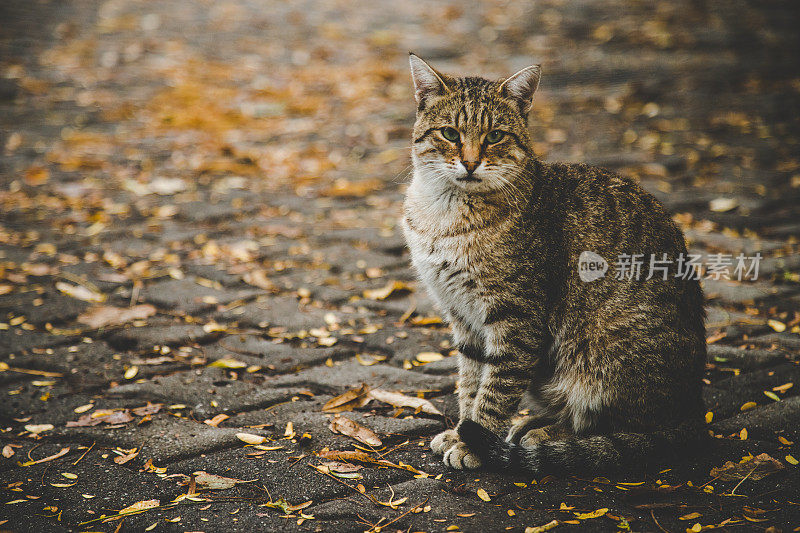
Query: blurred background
pixel 198 199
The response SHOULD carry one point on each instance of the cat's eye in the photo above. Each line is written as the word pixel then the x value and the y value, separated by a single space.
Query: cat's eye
pixel 495 136
pixel 451 134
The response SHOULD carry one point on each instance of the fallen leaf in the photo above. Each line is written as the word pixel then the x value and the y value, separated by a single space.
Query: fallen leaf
pixel 483 495
pixel 791 460
pixel 721 205
pixel 204 480
pixel 131 372
pixel 83 408
pixel 541 529
pixel 258 278
pixel 149 409
pixel 105 315
pixel 39 428
pixel 217 420
pixel 747 406
pixel 690 516
pixel 772 396
pixel 352 429
pixel 228 362
pixel 776 325
pixel 80 292
pixel 122 459
pixel 783 388
pixel 393 288
pixel 349 400
pixel 429 357
pixel 60 453
pixel 757 468
pixel 8 451
pixel 397 399
pixel 140 506
pixel 362 457
pixel 743 434
pixel 249 438
pixel 593 514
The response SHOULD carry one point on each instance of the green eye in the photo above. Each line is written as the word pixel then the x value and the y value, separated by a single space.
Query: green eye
pixel 451 134
pixel 495 136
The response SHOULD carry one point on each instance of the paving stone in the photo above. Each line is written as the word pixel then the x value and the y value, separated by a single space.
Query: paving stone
pixel 38 309
pixel 404 343
pixel 767 421
pixel 188 297
pixel 175 334
pixel 788 341
pixel 281 311
pixel 277 357
pixel 740 293
pixel 350 374
pixel 15 340
pixel 209 391
pixel 729 356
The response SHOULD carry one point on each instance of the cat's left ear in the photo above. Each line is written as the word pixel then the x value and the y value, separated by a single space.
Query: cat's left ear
pixel 427 82
pixel 521 86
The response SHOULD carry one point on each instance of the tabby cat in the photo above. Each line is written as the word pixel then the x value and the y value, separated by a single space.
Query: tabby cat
pixel 611 367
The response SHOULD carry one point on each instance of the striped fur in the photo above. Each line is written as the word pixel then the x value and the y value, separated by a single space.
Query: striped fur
pixel 495 235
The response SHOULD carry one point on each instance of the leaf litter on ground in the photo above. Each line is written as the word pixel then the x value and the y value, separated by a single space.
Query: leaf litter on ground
pixel 350 428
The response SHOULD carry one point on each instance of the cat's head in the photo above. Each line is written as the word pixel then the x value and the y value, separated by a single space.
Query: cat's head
pixel 471 133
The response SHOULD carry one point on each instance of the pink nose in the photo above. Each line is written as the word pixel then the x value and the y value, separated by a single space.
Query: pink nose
pixel 470 165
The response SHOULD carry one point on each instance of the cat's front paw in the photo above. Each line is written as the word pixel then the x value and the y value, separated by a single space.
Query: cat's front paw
pixel 460 458
pixel 444 441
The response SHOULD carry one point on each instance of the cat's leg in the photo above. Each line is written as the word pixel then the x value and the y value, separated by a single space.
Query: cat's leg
pixel 542 434
pixel 469 373
pixel 512 349
pixel 520 428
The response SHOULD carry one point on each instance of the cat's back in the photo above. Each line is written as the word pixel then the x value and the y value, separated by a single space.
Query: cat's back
pixel 597 206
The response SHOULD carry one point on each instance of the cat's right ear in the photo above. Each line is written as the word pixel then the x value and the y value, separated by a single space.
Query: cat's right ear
pixel 427 82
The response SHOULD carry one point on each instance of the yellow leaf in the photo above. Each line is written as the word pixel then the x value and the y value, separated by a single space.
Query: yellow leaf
pixel 695 528
pixel 690 516
pixel 594 514
pixel 69 475
pixel 747 406
pixel 791 460
pixel 483 495
pixel 429 357
pixel 541 529
pixel 743 434
pixel 228 362
pixel 83 408
pixel 38 428
pixel 393 287
pixel 131 372
pixel 777 325
pixel 565 507
pixel 709 417
pixel 140 506
pixel 249 438
pixel 771 395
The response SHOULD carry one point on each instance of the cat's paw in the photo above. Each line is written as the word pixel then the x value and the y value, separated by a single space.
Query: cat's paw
pixel 522 427
pixel 460 458
pixel 444 441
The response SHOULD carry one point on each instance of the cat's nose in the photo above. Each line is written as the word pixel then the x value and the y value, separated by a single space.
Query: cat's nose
pixel 470 166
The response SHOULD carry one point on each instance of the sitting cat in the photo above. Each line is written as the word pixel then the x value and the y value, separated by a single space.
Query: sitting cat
pixel 613 365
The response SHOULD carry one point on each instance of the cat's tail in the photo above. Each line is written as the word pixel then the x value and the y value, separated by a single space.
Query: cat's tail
pixel 580 454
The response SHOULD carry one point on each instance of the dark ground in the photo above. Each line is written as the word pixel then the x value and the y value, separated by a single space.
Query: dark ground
pixel 239 167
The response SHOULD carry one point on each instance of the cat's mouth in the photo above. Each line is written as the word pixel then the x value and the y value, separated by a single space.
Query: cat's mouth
pixel 472 179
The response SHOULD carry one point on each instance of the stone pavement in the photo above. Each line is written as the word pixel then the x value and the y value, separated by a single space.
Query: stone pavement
pixel 199 240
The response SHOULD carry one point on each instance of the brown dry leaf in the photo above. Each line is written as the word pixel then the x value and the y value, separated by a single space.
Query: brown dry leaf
pixel 483 495
pixel 757 468
pixel 8 451
pixel 393 288
pixel 401 400
pixel 80 292
pixel 122 459
pixel 38 428
pixel 362 457
pixel 204 480
pixel 343 187
pixel 140 506
pixel 349 400
pixel 149 409
pixel 61 452
pixel 217 420
pixel 545 527
pixel 690 516
pixel 259 279
pixel 352 429
pixel 429 357
pixel 107 315
pixel 249 438
pixel 36 175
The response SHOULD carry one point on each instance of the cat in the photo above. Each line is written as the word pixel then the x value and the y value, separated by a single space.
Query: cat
pixel 612 367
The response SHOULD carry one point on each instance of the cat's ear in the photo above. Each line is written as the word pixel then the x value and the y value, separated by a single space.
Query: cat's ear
pixel 521 86
pixel 427 82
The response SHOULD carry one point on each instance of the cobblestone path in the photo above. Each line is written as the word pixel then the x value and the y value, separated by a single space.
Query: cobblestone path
pixel 199 249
